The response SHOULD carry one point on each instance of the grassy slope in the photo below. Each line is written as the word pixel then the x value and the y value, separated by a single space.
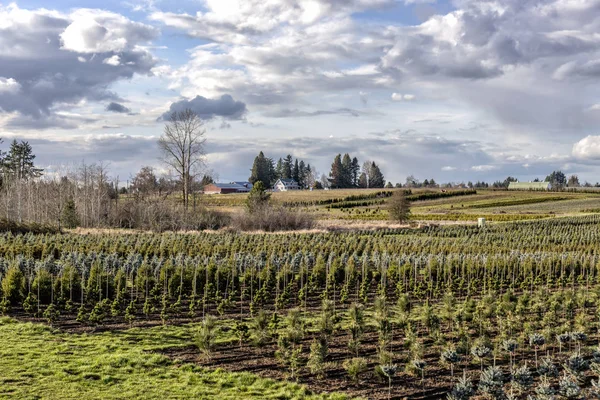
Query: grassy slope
pixel 36 363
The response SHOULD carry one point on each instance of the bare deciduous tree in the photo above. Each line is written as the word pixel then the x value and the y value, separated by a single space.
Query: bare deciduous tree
pixel 182 147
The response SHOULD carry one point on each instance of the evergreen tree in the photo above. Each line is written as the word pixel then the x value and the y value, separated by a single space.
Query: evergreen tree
pixel 70 217
pixel 287 167
pixel 355 171
pixel 257 198
pixel 557 179
pixel 13 285
pixel 296 172
pixel 19 162
pixel 279 169
pixel 376 179
pixel 336 176
pixel 262 170
pixel 346 171
pixel 302 174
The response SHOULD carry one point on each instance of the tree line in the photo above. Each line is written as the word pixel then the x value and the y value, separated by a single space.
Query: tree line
pixel 347 173
pixel 265 170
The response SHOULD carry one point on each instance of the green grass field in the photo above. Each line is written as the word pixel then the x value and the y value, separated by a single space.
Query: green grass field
pixel 37 363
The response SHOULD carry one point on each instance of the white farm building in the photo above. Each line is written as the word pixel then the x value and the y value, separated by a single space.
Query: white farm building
pixel 284 185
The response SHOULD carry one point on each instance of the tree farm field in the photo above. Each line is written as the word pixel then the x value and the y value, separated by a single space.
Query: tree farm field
pixel 428 310
pixel 368 207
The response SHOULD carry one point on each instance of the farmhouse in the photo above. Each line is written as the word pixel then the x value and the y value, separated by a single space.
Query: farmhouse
pixel 529 186
pixel 225 188
pixel 283 185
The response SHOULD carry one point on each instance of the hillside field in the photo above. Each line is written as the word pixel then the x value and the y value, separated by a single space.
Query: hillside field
pixel 495 205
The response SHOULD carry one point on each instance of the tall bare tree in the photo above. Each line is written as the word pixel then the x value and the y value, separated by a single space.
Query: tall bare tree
pixel 182 147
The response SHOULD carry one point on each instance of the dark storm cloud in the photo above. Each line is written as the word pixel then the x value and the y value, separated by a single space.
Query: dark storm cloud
pixel 117 108
pixel 225 107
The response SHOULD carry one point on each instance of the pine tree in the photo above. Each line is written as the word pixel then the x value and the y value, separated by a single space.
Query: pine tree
pixel 355 172
pixel 19 163
pixel 279 169
pixel 346 171
pixel 13 285
pixel 376 179
pixel 262 170
pixel 257 198
pixel 296 172
pixel 336 176
pixel 287 167
pixel 70 217
pixel 302 173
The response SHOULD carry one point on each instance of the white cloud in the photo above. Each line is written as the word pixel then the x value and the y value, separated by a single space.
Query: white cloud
pixel 595 107
pixel 587 148
pixel 96 31
pixel 114 60
pixel 448 168
pixel 483 168
pixel 400 97
pixel 9 85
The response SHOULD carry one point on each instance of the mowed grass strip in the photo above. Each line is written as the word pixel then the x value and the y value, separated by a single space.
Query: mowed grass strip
pixel 36 363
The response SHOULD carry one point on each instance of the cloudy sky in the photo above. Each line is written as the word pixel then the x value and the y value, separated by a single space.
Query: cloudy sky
pixel 456 90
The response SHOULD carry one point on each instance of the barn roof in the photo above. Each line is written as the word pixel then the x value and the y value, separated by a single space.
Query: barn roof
pixel 243 183
pixel 228 185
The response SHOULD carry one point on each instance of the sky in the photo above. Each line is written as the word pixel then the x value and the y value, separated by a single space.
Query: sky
pixel 456 90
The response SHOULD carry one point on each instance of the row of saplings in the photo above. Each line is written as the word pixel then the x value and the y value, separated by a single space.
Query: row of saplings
pixel 561 377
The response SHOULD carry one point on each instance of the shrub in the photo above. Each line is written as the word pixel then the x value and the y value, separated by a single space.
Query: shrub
pixel 241 331
pixel 205 337
pixel 463 390
pixel 130 313
pixel 260 328
pixel 355 367
pixel 51 314
pixel 450 357
pixel 569 388
pixel 399 207
pixel 272 219
pixel 491 382
pixel 98 313
pixel 356 327
pixel 316 358
pixel 13 284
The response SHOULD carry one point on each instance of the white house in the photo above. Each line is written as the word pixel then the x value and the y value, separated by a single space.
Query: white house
pixel 283 185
